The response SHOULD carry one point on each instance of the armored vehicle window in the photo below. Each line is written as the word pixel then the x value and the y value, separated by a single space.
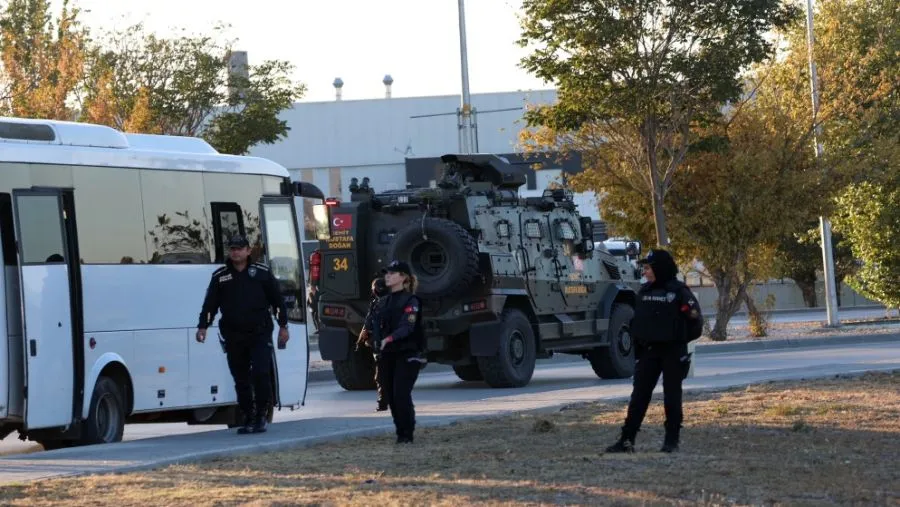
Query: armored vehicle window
pixel 320 221
pixel 533 229
pixel 565 231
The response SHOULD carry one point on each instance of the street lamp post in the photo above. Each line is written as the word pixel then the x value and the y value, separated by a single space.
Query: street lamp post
pixel 465 123
pixel 824 222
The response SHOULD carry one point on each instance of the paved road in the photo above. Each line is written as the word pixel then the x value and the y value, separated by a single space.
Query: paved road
pixel 440 398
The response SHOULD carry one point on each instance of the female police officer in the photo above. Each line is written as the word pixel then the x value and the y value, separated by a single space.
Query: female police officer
pixel 402 347
pixel 666 318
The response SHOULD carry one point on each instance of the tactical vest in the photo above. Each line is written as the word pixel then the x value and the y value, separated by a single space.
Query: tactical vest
pixel 657 315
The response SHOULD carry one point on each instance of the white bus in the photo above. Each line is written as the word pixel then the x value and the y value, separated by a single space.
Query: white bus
pixel 108 244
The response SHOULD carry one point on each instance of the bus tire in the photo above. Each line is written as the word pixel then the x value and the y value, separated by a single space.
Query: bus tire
pixel 106 416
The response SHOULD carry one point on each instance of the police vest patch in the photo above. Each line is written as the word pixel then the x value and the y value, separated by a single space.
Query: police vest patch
pixel 252 271
pixel 225 278
pixel 670 296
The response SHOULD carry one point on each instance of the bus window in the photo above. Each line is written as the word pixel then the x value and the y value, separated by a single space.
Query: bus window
pixel 227 221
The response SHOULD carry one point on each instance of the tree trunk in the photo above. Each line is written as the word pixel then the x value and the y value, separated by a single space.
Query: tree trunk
pixel 729 298
pixel 659 217
pixel 809 293
pixel 657 192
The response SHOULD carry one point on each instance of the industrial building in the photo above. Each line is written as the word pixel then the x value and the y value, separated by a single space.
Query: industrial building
pixel 396 142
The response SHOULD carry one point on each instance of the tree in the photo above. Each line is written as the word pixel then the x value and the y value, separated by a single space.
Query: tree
pixel 635 76
pixel 42 59
pixel 184 86
pixel 858 60
pixel 798 256
pixel 745 187
pixel 869 214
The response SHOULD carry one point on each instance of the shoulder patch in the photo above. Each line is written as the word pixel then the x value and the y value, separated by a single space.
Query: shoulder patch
pixel 220 271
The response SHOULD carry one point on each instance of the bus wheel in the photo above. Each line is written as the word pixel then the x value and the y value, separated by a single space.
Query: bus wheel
pixel 106 417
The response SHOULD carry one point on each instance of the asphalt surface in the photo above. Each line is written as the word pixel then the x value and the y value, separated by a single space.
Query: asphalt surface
pixel 332 413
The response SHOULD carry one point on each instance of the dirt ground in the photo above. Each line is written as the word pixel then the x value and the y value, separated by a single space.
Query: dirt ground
pixel 825 442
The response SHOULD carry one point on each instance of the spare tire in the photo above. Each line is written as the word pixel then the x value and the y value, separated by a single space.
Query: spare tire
pixel 441 253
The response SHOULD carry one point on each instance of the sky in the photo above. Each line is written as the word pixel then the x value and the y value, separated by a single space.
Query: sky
pixel 415 41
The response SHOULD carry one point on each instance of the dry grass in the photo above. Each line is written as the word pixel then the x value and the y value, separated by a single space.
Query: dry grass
pixel 826 442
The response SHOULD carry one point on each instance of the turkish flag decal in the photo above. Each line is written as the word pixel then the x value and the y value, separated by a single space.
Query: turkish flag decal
pixel 341 222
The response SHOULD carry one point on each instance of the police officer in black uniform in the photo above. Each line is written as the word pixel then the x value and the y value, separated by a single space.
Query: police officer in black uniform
pixel 666 318
pixel 371 333
pixel 246 293
pixel 402 347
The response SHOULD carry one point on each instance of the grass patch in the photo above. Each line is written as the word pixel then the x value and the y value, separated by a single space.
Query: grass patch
pixel 825 442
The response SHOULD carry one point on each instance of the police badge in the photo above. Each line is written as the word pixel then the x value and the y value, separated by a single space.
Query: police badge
pixel 252 271
pixel 670 296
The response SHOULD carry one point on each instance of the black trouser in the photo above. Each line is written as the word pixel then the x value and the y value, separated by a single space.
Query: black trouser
pixel 655 359
pixel 397 375
pixel 250 361
pixel 379 387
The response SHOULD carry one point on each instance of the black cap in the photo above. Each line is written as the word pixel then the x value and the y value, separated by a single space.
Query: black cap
pixel 398 267
pixel 238 241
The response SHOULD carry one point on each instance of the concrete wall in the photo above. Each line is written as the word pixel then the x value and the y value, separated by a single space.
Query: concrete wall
pixel 787 296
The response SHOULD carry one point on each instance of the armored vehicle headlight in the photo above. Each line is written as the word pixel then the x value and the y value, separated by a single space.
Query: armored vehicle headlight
pixel 503 229
pixel 402 199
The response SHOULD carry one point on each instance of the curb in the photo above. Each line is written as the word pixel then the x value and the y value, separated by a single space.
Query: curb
pixel 726 347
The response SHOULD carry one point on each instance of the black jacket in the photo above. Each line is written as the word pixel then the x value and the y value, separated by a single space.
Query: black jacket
pixel 245 299
pixel 400 318
pixel 666 313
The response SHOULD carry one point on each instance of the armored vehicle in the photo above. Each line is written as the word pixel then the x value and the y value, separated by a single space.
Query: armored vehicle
pixel 504 280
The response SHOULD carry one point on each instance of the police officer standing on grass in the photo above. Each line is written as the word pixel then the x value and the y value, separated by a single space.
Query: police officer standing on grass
pixel 666 318
pixel 402 347
pixel 371 334
pixel 246 293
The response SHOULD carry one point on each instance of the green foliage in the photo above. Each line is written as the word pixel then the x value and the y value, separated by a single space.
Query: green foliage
pixel 182 86
pixel 633 77
pixel 869 214
pixel 798 256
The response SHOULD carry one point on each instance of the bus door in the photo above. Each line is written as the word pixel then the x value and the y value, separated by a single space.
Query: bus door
pixel 50 282
pixel 282 251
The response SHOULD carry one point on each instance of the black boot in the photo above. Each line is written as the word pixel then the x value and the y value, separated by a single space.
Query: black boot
pixel 382 406
pixel 670 444
pixel 247 426
pixel 405 437
pixel 624 444
pixel 260 425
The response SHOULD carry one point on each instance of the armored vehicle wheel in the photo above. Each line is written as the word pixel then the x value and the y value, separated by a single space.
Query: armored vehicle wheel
pixel 513 365
pixel 468 372
pixel 616 360
pixel 357 373
pixel 441 253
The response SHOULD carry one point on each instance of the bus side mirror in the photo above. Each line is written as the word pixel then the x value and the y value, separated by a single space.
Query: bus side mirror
pixel 302 189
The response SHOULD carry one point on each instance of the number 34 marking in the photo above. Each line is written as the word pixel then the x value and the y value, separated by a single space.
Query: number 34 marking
pixel 341 264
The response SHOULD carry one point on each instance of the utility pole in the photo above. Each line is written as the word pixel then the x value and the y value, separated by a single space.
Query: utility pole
pixel 466 124
pixel 824 223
